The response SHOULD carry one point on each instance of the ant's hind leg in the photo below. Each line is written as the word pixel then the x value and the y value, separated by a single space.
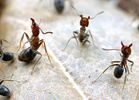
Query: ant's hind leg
pixel 22 39
pixel 48 55
pixel 124 81
pixel 88 45
pixel 36 61
pixel 104 71
pixel 41 41
pixel 2 72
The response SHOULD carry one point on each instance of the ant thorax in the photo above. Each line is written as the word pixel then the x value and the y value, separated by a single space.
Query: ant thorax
pixel 34 42
pixel 82 30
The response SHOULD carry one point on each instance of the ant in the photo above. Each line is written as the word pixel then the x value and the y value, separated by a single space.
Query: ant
pixel 5 56
pixel 118 71
pixel 82 35
pixel 59 5
pixel 4 91
pixel 29 54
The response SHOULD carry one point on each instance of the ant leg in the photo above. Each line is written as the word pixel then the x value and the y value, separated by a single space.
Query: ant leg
pixel 75 32
pixel 92 38
pixel 104 71
pixel 45 32
pixel 36 61
pixel 24 44
pixel 88 45
pixel 1 82
pixel 86 38
pixel 5 41
pixel 2 72
pixel 127 69
pixel 115 62
pixel 68 42
pixel 1 69
pixel 131 64
pixel 112 62
pixel 124 81
pixel 22 39
pixel 47 54
pixel 41 41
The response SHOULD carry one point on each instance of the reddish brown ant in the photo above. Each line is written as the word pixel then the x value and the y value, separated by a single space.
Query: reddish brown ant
pixel 29 54
pixel 118 72
pixel 82 35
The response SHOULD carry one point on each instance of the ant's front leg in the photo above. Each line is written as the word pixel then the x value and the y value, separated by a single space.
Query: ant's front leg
pixel 69 41
pixel 45 32
pixel 22 39
pixel 92 38
pixel 124 80
pixel 131 64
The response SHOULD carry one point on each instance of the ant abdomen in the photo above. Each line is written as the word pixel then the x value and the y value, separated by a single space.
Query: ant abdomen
pixel 118 71
pixel 4 91
pixel 26 55
pixel 6 56
pixel 59 5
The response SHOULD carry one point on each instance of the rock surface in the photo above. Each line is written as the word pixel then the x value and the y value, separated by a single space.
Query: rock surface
pixel 76 67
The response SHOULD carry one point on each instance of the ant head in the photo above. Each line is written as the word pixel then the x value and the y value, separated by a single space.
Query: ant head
pixel 34 27
pixel 126 50
pixel 84 21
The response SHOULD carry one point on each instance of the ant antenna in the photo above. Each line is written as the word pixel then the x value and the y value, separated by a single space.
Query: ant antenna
pixel 97 14
pixel 40 22
pixel 111 49
pixel 74 9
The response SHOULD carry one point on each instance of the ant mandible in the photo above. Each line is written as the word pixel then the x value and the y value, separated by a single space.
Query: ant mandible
pixel 118 71
pixel 82 35
pixel 29 54
pixel 4 91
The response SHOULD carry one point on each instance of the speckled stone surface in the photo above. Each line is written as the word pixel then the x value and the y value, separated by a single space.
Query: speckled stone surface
pixel 76 67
